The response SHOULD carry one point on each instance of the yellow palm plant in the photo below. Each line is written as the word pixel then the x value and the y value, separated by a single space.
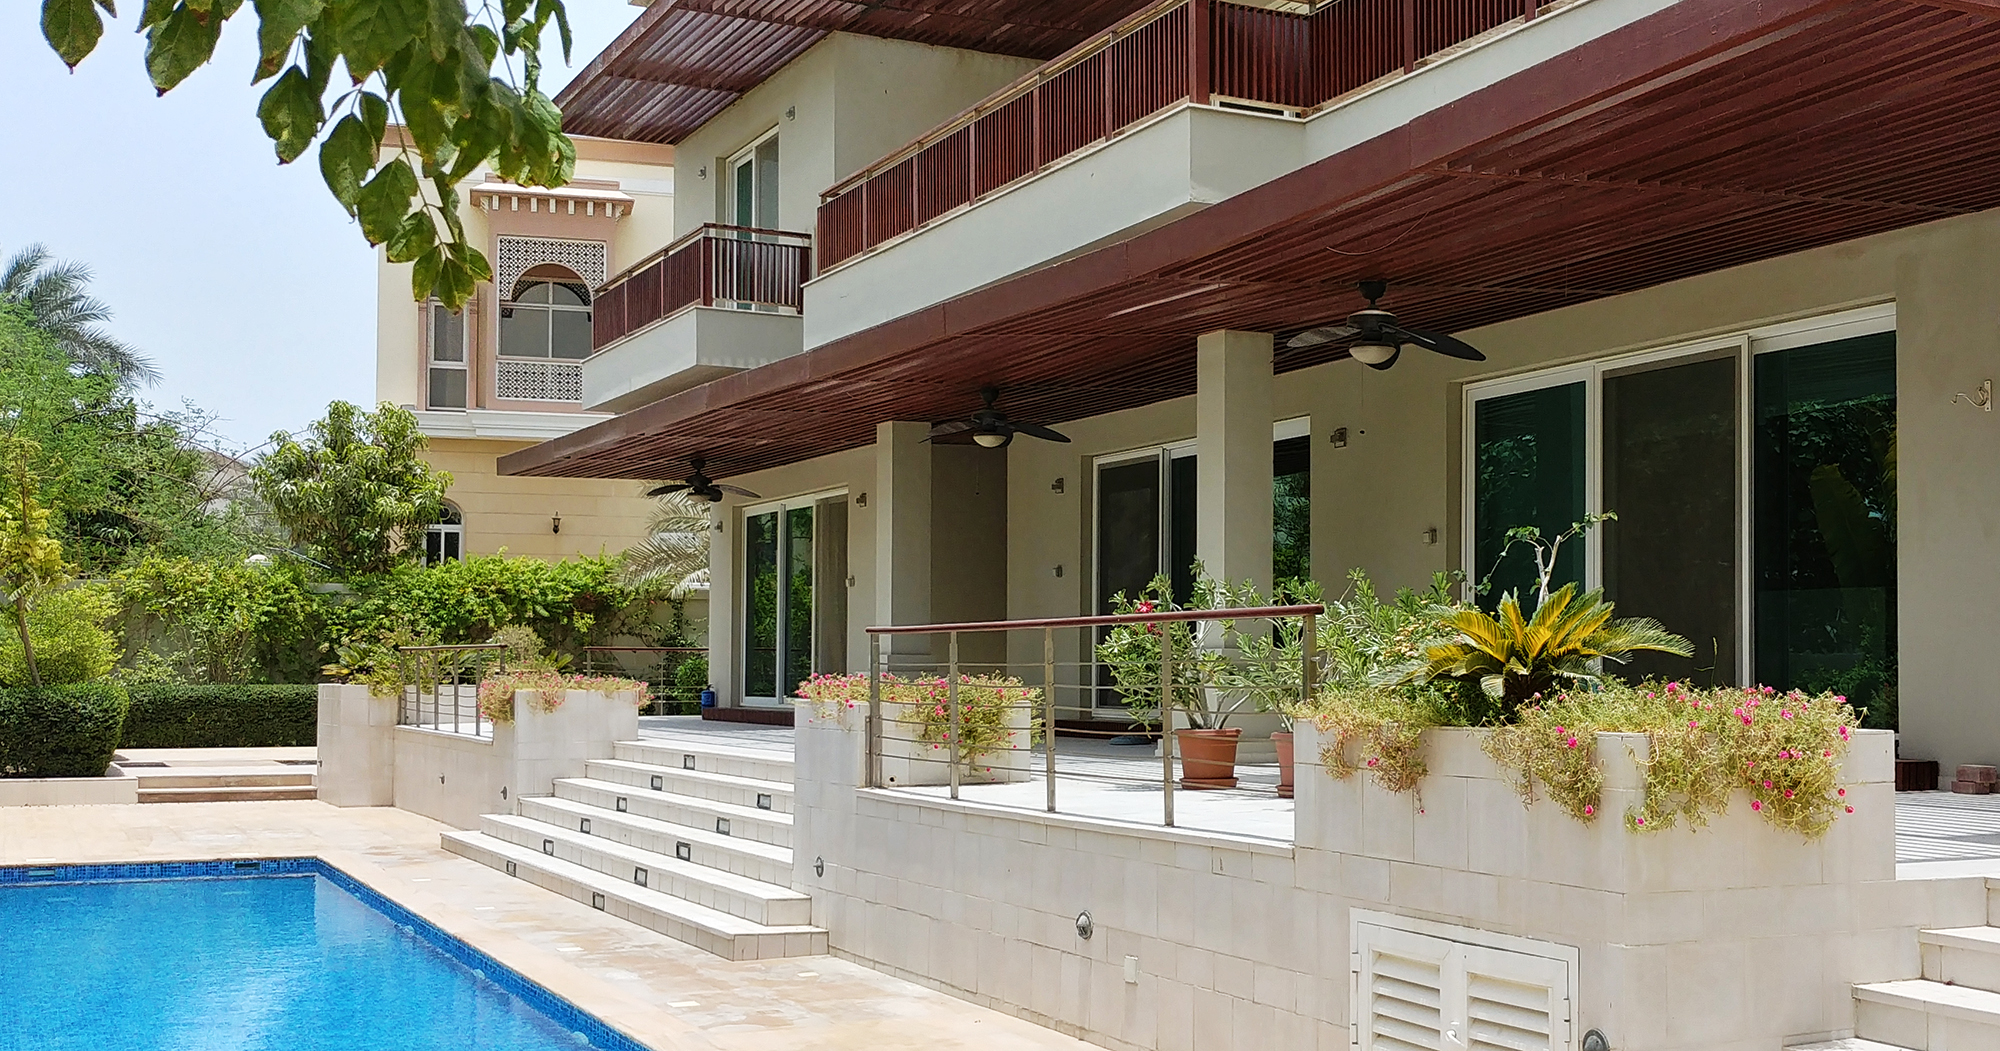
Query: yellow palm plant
pixel 1513 657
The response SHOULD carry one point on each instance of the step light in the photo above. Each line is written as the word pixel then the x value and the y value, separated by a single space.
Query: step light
pixel 639 876
pixel 597 901
pixel 549 847
pixel 684 850
pixel 658 782
pixel 583 825
pixel 687 762
pixel 510 868
pixel 621 804
pixel 763 800
pixel 722 825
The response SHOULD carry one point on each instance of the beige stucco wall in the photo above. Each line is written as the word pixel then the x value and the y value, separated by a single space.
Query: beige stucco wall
pixel 598 515
pixel 852 100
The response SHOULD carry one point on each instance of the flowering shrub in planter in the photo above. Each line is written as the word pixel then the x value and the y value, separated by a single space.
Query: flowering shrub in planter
pixel 547 688
pixel 1783 749
pixel 991 710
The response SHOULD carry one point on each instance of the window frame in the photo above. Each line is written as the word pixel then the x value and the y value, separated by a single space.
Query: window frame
pixel 748 155
pixel 551 308
pixel 1745 345
pixel 431 362
pixel 446 529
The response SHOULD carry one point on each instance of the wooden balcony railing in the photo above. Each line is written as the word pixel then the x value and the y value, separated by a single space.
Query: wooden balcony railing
pixel 1181 50
pixel 737 266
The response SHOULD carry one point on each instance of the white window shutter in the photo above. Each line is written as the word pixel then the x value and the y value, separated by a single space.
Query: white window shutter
pixel 1400 992
pixel 1513 1001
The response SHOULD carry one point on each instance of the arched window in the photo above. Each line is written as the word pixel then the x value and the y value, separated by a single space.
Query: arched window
pixel 548 316
pixel 444 541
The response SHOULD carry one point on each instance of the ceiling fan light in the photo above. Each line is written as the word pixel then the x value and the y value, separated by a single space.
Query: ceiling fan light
pixel 1371 353
pixel 990 440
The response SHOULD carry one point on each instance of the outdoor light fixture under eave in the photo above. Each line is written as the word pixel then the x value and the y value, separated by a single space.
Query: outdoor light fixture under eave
pixel 1371 353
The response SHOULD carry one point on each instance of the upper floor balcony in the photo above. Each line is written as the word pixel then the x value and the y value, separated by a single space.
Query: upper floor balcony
pixel 1185 104
pixel 719 299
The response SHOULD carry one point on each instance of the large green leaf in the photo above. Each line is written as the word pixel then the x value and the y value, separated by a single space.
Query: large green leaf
pixel 416 235
pixel 291 114
pixel 345 159
pixel 72 27
pixel 279 23
pixel 385 199
pixel 372 30
pixel 179 45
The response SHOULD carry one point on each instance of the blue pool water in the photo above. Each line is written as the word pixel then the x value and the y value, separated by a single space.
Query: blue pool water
pixel 254 963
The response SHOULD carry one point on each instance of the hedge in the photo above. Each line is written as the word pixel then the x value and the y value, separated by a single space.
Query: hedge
pixel 60 731
pixel 222 716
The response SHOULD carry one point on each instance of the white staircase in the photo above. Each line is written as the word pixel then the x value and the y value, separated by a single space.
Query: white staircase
pixel 688 837
pixel 1953 1007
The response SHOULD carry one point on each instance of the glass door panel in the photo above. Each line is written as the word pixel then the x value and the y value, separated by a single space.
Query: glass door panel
pixel 1670 455
pixel 797 635
pixel 760 644
pixel 1128 530
pixel 1291 509
pixel 1528 464
pixel 1824 521
pixel 830 598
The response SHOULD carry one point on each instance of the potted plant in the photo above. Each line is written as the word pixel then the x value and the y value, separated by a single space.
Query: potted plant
pixel 1270 665
pixel 1199 693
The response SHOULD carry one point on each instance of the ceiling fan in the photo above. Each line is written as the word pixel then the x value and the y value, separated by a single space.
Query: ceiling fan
pixel 990 427
pixel 699 484
pixel 1377 338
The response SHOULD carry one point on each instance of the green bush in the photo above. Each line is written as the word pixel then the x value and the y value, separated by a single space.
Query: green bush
pixel 227 716
pixel 60 731
pixel 219 620
pixel 71 643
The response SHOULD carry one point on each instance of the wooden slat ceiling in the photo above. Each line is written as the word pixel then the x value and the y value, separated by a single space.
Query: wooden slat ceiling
pixel 1713 134
pixel 683 61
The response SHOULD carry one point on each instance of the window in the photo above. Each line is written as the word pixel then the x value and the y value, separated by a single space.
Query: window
pixel 546 319
pixel 444 339
pixel 1752 477
pixel 753 184
pixel 794 594
pixel 444 541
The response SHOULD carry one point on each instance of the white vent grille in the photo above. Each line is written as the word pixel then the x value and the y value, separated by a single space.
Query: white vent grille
pixel 517 380
pixel 587 259
pixel 1442 991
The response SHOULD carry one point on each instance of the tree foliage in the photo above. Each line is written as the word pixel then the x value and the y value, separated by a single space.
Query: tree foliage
pixel 427 64
pixel 355 493
pixel 31 561
pixel 675 551
pixel 56 300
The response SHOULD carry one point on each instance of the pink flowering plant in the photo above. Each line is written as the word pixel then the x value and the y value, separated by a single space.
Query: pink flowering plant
pixel 1782 749
pixel 529 666
pixel 919 709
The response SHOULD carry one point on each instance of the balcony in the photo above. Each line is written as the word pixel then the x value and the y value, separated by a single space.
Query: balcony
pixel 1185 104
pixel 720 299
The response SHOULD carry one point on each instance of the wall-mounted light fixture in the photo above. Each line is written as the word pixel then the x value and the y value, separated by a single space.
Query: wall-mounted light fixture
pixel 701 172
pixel 555 522
pixel 1338 439
pixel 1056 486
pixel 1430 536
pixel 791 113
pixel 861 501
pixel 1981 396
pixel 1059 569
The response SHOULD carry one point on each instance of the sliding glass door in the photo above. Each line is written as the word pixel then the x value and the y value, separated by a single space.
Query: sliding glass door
pixel 1753 482
pixel 794 594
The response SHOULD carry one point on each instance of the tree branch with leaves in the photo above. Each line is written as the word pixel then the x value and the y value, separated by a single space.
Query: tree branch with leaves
pixel 463 83
pixel 31 561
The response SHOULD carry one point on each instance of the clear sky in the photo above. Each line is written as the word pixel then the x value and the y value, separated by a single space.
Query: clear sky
pixel 243 281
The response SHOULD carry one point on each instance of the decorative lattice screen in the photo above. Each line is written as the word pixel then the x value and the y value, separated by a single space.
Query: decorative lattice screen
pixel 518 380
pixel 589 259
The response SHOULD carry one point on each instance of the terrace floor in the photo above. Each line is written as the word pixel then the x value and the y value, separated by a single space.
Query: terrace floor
pixel 669 995
pixel 1938 834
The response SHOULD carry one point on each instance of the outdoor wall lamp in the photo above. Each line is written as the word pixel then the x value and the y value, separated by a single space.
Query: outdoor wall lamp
pixel 555 522
pixel 1981 396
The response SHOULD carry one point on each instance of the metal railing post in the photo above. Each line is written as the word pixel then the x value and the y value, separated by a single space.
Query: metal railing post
pixel 874 773
pixel 1308 651
pixel 957 722
pixel 1049 712
pixel 1167 723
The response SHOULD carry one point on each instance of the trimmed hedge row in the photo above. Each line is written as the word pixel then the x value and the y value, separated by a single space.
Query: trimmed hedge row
pixel 60 731
pixel 232 716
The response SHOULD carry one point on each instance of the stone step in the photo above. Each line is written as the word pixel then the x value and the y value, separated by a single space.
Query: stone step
pixel 762 826
pixel 1852 1043
pixel 753 900
pixel 186 777
pixel 722 788
pixel 1924 1015
pixel 730 937
pixel 1965 956
pixel 744 857
pixel 762 764
pixel 229 794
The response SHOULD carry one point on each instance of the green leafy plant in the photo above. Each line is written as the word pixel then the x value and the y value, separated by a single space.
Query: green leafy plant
pixel 56 299
pixel 429 64
pixel 1514 659
pixel 31 561
pixel 220 620
pixel 674 554
pixel 921 709
pixel 546 688
pixel 1132 653
pixel 60 731
pixel 355 493
pixel 1377 729
pixel 222 716
pixel 72 643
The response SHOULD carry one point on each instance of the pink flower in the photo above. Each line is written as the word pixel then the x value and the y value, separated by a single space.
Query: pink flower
pixel 1788 793
pixel 1589 811
pixel 1850 810
pixel 1843 733
pixel 1841 792
pixel 1572 742
pixel 1782 754
pixel 1673 687
pixel 1786 712
pixel 1828 754
pixel 1372 761
pixel 1840 697
pixel 1767 784
pixel 1692 725
pixel 1560 731
pixel 1638 820
pixel 1756 804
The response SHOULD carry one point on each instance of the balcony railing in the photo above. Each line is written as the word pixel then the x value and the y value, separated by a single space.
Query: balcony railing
pixel 715 265
pixel 1203 51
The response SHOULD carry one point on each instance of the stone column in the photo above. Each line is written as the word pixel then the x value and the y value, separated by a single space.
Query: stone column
pixel 1233 445
pixel 903 531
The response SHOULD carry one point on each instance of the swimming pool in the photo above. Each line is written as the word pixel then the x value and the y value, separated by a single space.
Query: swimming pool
pixel 274 955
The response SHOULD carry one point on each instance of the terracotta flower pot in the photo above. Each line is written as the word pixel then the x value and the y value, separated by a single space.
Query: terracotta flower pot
pixel 1208 757
pixel 1284 742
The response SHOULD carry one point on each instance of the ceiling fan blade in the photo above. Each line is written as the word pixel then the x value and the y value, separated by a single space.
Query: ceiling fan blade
pixel 738 490
pixel 950 427
pixel 1449 346
pixel 1384 367
pixel 667 490
pixel 1313 337
pixel 1036 430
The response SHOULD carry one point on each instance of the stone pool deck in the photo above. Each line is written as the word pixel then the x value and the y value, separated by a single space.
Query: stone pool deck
pixel 668 995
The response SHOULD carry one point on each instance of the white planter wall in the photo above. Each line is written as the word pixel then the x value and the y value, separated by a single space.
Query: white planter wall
pixel 911 763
